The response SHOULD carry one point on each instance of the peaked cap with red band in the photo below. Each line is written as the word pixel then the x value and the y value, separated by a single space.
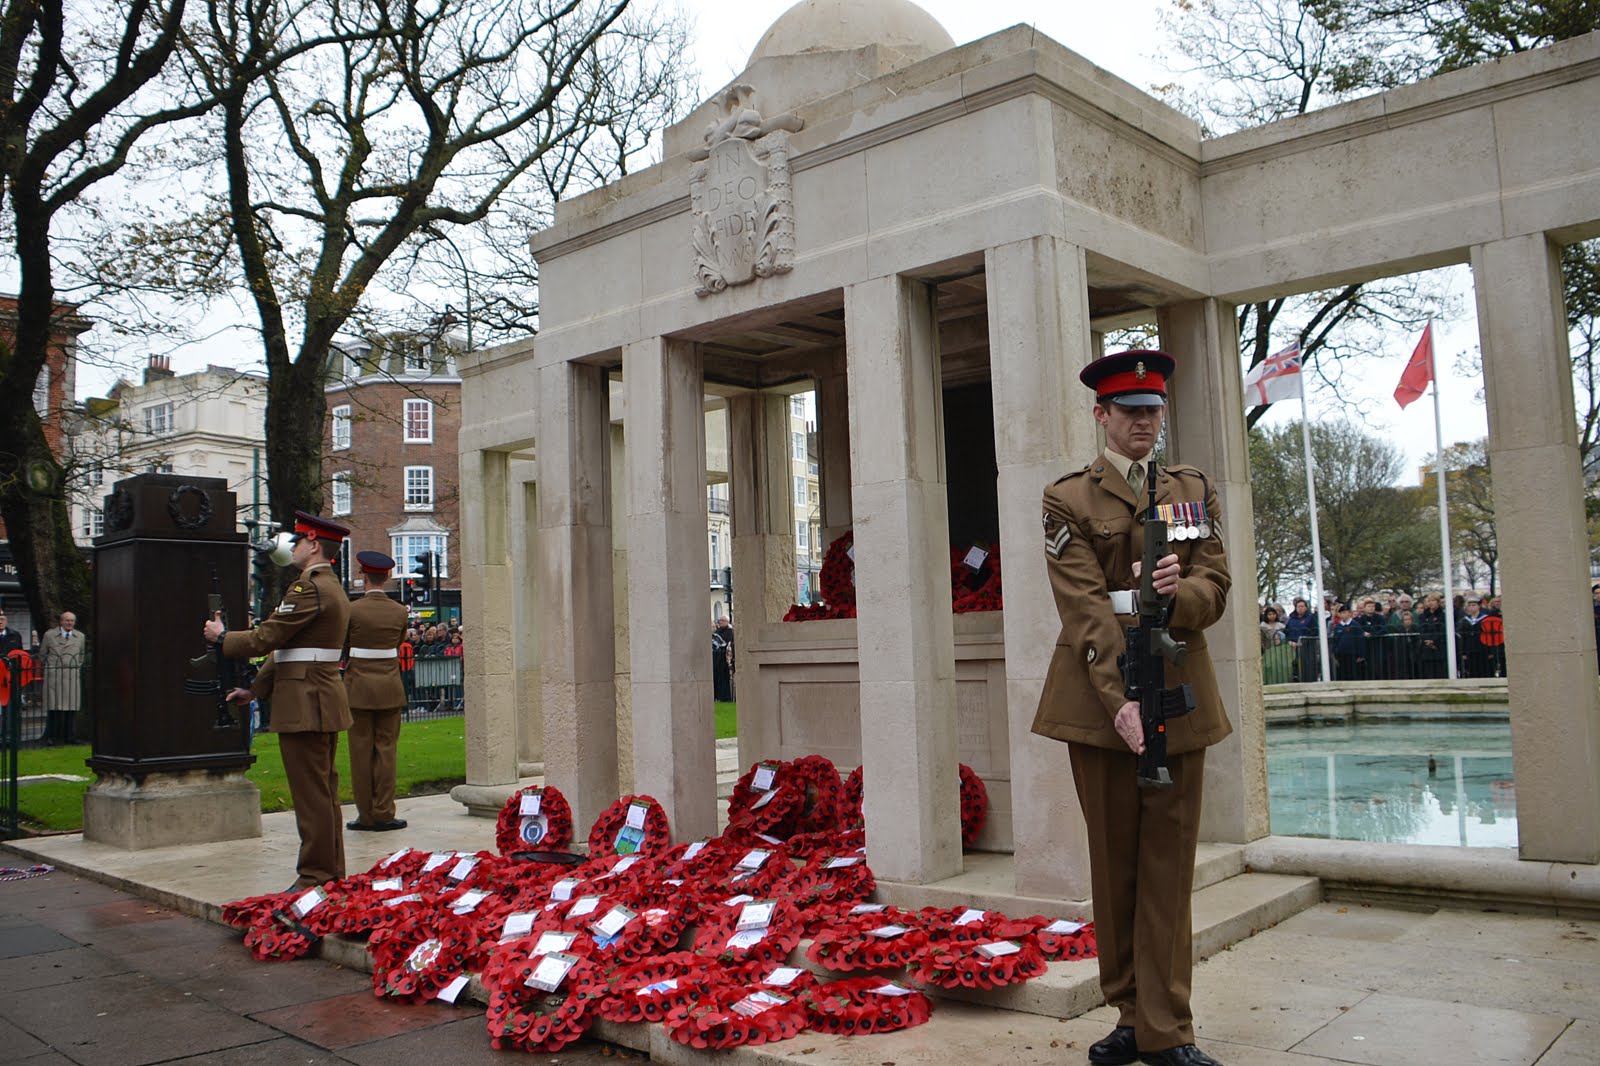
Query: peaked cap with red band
pixel 1133 379
pixel 375 563
pixel 317 527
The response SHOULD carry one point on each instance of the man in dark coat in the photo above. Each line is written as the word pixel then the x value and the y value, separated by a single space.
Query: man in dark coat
pixel 1141 841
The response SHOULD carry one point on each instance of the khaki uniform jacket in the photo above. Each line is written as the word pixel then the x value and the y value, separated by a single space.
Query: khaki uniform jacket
pixel 376 621
pixel 306 697
pixel 1092 540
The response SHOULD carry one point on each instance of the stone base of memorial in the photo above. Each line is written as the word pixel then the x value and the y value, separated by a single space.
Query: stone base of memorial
pixel 194 807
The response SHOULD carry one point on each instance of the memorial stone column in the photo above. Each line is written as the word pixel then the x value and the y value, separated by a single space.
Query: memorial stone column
pixel 905 633
pixel 1038 341
pixel 833 430
pixel 574 588
pixel 674 735
pixel 763 551
pixel 1205 419
pixel 1537 477
pixel 486 599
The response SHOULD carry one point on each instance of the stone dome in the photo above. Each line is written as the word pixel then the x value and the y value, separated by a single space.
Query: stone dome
pixel 845 25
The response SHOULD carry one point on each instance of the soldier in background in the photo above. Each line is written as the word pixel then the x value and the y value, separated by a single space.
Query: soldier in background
pixel 377 696
pixel 305 636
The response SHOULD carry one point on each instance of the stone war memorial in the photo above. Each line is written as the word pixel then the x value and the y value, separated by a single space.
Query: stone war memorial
pixel 933 240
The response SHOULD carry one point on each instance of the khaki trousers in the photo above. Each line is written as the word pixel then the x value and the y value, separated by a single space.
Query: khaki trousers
pixel 309 759
pixel 374 739
pixel 1141 869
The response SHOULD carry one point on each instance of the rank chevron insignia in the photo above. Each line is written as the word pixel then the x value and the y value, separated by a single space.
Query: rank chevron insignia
pixel 1055 539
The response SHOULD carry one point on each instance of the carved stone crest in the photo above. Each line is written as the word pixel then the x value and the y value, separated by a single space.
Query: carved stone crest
pixel 741 200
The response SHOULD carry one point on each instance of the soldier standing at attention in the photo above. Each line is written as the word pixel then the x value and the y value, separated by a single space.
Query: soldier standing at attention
pixel 377 696
pixel 305 636
pixel 1141 841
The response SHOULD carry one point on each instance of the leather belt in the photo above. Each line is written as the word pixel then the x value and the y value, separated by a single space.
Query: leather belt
pixel 307 655
pixel 374 653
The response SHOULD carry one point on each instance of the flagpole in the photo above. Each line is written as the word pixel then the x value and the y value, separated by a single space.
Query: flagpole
pixel 1316 537
pixel 1444 523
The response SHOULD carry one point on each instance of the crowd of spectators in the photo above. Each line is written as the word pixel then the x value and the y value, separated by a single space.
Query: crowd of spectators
pixel 426 638
pixel 1397 639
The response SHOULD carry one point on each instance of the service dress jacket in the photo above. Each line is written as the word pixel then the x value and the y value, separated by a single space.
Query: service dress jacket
pixel 306 696
pixel 1092 538
pixel 378 623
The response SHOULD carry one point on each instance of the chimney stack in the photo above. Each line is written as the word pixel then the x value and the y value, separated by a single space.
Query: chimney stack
pixel 160 367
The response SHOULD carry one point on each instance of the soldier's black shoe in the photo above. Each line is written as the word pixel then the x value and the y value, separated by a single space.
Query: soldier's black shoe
pixel 1182 1055
pixel 1117 1049
pixel 359 826
pixel 390 825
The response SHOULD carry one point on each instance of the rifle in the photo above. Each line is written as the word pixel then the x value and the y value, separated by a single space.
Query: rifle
pixel 214 672
pixel 1149 647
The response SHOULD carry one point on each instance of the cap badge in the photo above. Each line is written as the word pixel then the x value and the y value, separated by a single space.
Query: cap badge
pixel 1139 370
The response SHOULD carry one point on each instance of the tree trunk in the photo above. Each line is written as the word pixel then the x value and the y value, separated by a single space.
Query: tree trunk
pixel 296 407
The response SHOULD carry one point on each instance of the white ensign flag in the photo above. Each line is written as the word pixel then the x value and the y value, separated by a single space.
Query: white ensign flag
pixel 1275 378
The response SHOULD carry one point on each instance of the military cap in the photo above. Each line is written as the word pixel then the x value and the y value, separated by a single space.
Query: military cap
pixel 318 528
pixel 1133 379
pixel 375 563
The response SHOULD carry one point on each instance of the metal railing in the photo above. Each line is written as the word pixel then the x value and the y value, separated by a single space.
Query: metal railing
pixel 1379 657
pixel 434 688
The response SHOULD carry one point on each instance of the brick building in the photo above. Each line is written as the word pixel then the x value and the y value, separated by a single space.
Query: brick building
pixel 389 458
pixel 53 399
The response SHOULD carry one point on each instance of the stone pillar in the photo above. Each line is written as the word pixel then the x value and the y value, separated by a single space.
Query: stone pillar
pixel 763 550
pixel 622 645
pixel 525 616
pixel 833 430
pixel 1539 516
pixel 574 588
pixel 1038 341
pixel 486 598
pixel 674 737
pixel 902 555
pixel 1205 419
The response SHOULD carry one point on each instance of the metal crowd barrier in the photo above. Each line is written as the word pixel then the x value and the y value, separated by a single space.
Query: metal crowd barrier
pixel 434 688
pixel 1379 657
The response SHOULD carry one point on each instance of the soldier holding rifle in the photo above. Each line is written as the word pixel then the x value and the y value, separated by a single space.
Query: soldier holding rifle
pixel 1143 817
pixel 305 638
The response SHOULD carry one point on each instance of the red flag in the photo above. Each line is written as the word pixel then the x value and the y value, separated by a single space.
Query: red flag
pixel 1418 372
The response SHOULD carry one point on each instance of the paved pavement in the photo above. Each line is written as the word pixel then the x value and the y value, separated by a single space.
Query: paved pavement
pixel 92 975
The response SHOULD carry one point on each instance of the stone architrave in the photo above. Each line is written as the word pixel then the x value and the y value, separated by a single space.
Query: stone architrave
pixel 740 195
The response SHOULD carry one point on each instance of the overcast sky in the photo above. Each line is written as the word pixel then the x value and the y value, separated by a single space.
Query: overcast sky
pixel 1126 38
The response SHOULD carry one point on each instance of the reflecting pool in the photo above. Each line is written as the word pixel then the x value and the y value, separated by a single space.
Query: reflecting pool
pixel 1373 781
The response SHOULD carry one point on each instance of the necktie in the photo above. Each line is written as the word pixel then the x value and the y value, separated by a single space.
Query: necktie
pixel 1136 479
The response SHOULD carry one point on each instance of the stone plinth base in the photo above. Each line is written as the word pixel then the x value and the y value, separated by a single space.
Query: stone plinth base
pixel 193 807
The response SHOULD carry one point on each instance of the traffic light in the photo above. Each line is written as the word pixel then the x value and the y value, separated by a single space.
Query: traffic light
pixel 422 592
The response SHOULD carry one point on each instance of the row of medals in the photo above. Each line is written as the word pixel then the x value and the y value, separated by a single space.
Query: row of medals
pixel 1179 526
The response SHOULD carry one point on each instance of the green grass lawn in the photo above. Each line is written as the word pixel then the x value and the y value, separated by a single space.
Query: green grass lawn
pixel 432 758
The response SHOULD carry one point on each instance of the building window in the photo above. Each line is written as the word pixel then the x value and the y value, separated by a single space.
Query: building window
pixel 799 491
pixel 716 552
pixel 159 468
pixel 802 537
pixel 406 547
pixel 799 445
pixel 158 419
pixel 341 427
pixel 419 422
pixel 97 475
pixel 797 404
pixel 419 488
pixel 342 496
pixel 811 468
pixel 418 358
pixel 94 522
pixel 41 393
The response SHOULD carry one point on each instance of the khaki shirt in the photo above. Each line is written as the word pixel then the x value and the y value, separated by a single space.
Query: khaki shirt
pixel 1092 538
pixel 306 696
pixel 376 622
